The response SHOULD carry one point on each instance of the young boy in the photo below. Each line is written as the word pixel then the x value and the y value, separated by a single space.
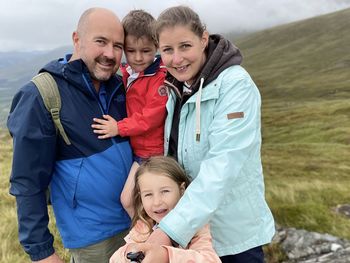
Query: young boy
pixel 146 96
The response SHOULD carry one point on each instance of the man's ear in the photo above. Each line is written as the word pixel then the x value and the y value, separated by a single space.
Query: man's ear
pixel 75 38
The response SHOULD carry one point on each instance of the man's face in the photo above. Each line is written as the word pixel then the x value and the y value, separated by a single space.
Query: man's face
pixel 100 46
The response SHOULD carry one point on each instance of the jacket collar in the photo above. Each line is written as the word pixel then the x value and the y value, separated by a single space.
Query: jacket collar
pixel 76 73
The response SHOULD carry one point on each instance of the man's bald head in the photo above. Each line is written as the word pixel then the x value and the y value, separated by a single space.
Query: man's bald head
pixel 98 41
pixel 92 14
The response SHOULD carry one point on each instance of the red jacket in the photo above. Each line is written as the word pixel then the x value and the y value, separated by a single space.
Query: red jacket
pixel 146 97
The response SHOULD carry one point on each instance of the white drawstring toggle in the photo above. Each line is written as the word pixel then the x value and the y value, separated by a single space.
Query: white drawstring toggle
pixel 198 111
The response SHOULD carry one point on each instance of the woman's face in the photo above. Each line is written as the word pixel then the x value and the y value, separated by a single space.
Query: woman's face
pixel 182 51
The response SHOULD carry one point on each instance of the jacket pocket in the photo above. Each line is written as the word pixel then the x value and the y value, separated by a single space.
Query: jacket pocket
pixel 65 182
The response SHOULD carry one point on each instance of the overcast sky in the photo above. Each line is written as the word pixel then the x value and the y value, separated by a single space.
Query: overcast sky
pixel 48 24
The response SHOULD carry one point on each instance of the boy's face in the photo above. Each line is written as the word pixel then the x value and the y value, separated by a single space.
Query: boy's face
pixel 139 52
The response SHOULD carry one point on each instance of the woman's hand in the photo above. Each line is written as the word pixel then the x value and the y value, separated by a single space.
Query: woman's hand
pixel 159 237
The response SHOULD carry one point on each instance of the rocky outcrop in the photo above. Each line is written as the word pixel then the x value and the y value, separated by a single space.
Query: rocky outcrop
pixel 301 246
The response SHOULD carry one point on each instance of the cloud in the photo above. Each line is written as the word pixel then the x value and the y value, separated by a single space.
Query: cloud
pixel 42 24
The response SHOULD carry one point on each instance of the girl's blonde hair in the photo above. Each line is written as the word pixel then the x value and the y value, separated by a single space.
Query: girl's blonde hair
pixel 158 165
pixel 179 15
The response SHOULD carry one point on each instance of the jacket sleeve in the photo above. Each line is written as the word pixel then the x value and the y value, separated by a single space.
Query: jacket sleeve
pixel 200 250
pixel 153 114
pixel 135 236
pixel 119 255
pixel 231 143
pixel 34 140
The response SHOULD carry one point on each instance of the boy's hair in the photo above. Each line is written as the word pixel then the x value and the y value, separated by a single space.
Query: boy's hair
pixel 179 15
pixel 139 23
pixel 158 165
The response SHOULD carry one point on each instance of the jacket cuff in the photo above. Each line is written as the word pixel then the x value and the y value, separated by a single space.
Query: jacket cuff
pixel 122 129
pixel 181 234
pixel 42 254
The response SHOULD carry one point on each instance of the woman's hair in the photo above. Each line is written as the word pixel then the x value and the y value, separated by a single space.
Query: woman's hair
pixel 157 165
pixel 179 15
pixel 139 23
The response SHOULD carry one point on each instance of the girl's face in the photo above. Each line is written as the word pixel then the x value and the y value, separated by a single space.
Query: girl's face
pixel 159 194
pixel 182 51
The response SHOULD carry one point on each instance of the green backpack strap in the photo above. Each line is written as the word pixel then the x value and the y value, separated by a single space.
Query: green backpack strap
pixel 48 89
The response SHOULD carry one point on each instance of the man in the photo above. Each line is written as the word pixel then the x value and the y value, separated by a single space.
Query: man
pixel 86 177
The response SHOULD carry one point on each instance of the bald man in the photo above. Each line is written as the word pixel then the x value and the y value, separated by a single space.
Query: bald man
pixel 87 176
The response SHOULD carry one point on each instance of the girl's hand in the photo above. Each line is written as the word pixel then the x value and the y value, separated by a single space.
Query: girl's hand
pixel 157 254
pixel 107 127
pixel 120 255
pixel 51 259
pixel 153 252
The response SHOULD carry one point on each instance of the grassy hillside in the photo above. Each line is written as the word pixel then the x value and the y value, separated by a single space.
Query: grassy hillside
pixel 303 60
pixel 302 70
pixel 10 249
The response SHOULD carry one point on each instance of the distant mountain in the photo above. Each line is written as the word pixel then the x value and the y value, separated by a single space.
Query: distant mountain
pixel 9 59
pixel 301 60
pixel 16 68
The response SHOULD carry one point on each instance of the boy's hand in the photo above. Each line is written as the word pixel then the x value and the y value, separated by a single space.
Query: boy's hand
pixel 107 127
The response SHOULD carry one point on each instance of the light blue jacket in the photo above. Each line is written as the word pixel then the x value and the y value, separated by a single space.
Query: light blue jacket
pixel 225 165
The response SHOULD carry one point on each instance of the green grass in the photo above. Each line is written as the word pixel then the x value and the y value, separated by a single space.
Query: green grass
pixel 305 153
pixel 10 249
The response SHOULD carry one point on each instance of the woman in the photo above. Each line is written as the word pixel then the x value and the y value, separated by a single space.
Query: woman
pixel 213 130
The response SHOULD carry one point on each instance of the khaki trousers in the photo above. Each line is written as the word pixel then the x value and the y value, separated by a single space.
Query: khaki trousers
pixel 100 252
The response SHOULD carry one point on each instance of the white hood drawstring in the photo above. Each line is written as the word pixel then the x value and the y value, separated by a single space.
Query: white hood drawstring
pixel 198 111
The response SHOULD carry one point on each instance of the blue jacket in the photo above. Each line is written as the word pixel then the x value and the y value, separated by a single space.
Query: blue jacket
pixel 85 178
pixel 218 145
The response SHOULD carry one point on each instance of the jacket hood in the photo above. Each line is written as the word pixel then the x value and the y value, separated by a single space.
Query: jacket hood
pixel 221 54
pixel 151 70
pixel 76 73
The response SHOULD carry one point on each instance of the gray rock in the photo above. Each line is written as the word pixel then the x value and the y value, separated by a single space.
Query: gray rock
pixel 302 246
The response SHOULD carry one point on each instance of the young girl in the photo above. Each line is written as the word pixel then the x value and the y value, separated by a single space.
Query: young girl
pixel 159 184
